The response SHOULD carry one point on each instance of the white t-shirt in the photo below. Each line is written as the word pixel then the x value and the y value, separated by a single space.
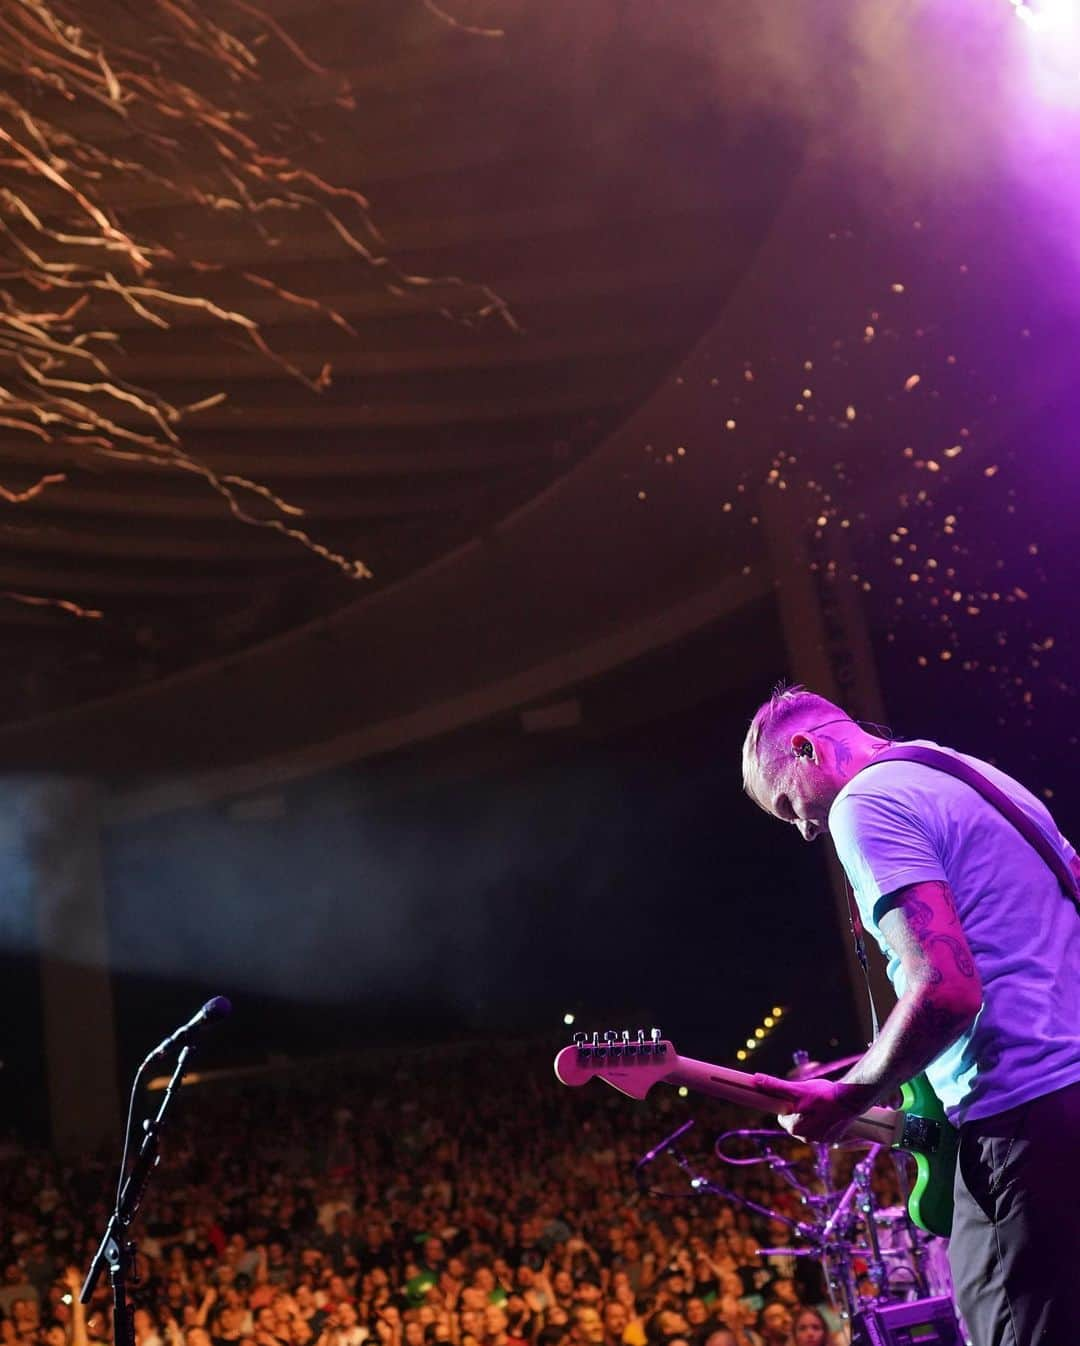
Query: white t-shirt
pixel 899 823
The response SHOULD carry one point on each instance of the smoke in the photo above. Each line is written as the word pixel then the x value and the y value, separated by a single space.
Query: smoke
pixel 932 98
pixel 18 909
pixel 917 94
pixel 435 896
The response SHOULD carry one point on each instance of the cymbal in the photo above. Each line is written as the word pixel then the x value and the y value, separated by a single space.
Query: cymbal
pixel 814 1070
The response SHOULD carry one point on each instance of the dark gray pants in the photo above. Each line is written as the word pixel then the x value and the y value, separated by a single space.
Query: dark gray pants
pixel 1015 1249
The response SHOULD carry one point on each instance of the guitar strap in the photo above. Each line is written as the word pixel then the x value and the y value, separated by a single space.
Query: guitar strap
pixel 858 934
pixel 1011 811
pixel 997 798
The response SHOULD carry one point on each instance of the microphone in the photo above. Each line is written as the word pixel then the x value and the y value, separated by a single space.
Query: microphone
pixel 218 1008
pixel 663 1145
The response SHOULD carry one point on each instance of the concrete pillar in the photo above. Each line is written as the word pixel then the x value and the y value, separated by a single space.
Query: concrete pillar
pixel 830 652
pixel 61 820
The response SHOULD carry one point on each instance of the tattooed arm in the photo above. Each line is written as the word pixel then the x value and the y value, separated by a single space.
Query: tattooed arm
pixel 942 998
pixel 943 992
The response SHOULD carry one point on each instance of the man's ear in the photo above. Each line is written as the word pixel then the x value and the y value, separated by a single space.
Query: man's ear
pixel 802 746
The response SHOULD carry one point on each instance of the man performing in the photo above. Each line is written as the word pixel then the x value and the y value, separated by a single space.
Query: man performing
pixel 982 938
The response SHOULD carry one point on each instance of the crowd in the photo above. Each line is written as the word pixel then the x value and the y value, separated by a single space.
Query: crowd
pixel 437 1199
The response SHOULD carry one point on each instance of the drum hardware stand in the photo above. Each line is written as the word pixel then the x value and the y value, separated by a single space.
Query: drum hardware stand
pixel 914 1242
pixel 828 1237
pixel 835 1218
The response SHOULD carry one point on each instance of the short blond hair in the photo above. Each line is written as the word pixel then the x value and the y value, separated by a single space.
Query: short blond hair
pixel 765 745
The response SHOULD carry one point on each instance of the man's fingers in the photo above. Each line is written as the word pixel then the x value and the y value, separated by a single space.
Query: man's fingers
pixel 785 1090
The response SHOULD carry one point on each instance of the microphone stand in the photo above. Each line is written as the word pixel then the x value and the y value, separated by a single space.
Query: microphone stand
pixel 114 1250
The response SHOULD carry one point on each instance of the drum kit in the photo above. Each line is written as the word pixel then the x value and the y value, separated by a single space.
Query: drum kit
pixel 887 1278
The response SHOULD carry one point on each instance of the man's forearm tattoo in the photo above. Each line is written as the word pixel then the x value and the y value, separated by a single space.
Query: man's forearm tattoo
pixel 921 1034
pixel 930 1023
pixel 917 1031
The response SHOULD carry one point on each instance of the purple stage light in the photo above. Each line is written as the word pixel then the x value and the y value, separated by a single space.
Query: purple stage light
pixel 1054 46
pixel 1045 16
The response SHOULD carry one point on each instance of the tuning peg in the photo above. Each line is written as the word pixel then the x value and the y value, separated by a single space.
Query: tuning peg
pixel 613 1043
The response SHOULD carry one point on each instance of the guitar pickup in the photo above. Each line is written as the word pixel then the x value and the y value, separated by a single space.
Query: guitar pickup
pixel 922 1135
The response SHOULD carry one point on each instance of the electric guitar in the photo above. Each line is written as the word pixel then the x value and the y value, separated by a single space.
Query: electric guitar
pixel 634 1064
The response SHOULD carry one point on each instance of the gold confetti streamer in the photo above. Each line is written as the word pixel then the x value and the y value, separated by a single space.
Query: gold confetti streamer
pixel 20 497
pixel 63 240
pixel 63 604
pixel 439 13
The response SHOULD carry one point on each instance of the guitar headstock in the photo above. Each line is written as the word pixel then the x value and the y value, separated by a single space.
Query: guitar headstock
pixel 629 1062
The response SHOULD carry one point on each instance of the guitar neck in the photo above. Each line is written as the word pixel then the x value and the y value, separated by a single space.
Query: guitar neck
pixel 881 1125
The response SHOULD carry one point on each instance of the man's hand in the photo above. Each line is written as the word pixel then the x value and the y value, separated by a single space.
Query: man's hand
pixel 819 1109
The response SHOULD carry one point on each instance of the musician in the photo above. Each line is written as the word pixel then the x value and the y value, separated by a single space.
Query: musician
pixel 983 950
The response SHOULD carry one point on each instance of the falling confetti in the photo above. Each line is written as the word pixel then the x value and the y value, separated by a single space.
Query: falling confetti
pixel 937 570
